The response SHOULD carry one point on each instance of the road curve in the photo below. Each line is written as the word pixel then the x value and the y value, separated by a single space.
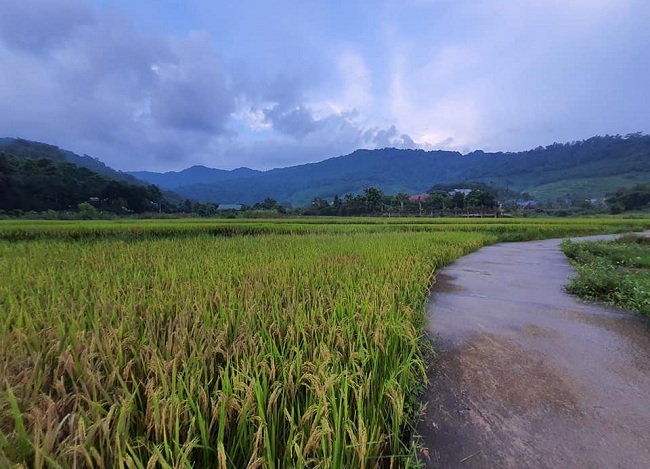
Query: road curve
pixel 529 376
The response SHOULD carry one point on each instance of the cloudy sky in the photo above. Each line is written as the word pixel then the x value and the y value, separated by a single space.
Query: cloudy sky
pixel 165 84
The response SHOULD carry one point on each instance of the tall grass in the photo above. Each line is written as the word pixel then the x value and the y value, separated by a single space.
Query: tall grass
pixel 274 351
pixel 617 272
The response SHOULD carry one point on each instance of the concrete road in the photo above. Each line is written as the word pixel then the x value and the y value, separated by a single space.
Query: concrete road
pixel 529 376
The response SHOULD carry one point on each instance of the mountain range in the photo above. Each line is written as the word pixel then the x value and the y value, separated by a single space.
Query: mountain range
pixel 582 169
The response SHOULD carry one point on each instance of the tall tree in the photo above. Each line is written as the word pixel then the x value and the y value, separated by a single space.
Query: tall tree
pixel 373 198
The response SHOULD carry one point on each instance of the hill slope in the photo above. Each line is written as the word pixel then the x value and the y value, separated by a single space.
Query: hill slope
pixel 587 169
pixel 41 184
pixel 37 150
pixel 31 150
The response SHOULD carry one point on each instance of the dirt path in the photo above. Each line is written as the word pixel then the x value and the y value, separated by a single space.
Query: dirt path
pixel 529 376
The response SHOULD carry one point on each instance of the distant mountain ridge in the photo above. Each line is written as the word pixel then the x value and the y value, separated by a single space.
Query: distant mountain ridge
pixel 194 175
pixel 588 168
pixel 584 169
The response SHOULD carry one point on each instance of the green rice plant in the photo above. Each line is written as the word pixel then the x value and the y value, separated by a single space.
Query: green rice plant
pixel 269 351
pixel 521 229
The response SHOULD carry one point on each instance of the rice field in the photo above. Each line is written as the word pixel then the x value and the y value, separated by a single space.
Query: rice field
pixel 225 344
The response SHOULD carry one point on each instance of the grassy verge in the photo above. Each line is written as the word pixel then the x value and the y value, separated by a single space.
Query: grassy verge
pixel 617 272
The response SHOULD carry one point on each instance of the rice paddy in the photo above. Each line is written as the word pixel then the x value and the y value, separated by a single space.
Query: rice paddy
pixel 225 344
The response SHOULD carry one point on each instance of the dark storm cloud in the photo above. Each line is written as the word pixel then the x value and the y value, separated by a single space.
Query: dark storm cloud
pixel 290 116
pixel 300 123
pixel 37 26
pixel 297 122
pixel 192 93
pixel 124 94
pixel 283 89
pixel 390 137
pixel 85 78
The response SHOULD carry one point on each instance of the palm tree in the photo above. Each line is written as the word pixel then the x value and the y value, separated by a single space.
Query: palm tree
pixel 402 197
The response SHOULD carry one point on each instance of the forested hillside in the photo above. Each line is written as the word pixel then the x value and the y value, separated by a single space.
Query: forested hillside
pixel 586 169
pixel 38 150
pixel 39 184
pixel 583 169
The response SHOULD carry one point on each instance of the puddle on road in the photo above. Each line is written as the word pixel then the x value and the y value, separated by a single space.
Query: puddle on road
pixel 499 371
pixel 533 330
pixel 475 271
pixel 634 329
pixel 444 283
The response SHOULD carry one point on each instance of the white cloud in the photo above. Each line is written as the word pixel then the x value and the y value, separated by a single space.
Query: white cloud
pixel 516 74
pixel 253 118
pixel 357 80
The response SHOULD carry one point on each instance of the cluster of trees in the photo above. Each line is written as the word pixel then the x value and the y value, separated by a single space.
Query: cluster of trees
pixel 195 208
pixel 45 186
pixel 374 202
pixel 267 205
pixel 42 184
pixel 628 199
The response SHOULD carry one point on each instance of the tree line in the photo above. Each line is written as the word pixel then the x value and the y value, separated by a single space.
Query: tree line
pixel 437 202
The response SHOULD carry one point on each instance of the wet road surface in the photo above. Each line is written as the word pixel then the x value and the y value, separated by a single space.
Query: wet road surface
pixel 529 376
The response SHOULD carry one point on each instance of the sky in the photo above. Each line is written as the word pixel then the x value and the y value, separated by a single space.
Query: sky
pixel 162 85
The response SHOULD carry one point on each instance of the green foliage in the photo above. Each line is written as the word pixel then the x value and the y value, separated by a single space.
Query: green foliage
pixel 270 205
pixel 38 151
pixel 87 211
pixel 505 229
pixel 617 272
pixel 29 184
pixel 481 200
pixel 628 199
pixel 375 202
pixel 197 208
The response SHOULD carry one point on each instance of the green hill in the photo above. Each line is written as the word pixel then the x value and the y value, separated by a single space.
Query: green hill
pixel 39 184
pixel 586 169
pixel 589 169
pixel 37 150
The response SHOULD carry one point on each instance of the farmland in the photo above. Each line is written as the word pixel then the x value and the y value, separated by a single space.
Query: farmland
pixel 202 343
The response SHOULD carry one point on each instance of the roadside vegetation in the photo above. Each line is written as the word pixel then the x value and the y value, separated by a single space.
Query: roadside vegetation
pixel 617 272
pixel 195 343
